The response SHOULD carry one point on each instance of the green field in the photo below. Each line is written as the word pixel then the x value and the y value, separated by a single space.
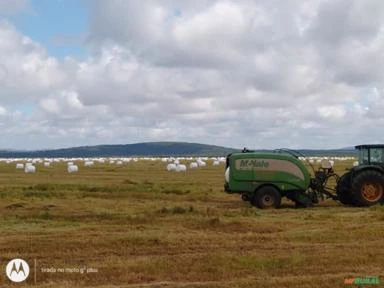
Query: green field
pixel 139 225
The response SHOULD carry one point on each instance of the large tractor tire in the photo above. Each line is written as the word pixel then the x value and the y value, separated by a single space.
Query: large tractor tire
pixel 343 190
pixel 267 197
pixel 368 188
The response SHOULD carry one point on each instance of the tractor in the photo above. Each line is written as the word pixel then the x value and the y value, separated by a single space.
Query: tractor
pixel 263 178
pixel 363 185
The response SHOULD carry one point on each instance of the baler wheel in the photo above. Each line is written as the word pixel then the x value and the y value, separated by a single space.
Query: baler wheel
pixel 368 188
pixel 267 197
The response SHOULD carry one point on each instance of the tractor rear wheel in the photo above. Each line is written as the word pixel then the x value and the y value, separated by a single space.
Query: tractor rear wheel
pixel 343 190
pixel 368 188
pixel 267 197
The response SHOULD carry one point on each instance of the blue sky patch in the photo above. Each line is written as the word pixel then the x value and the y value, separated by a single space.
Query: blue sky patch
pixel 60 26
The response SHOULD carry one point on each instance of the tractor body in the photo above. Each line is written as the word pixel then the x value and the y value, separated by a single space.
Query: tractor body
pixel 363 185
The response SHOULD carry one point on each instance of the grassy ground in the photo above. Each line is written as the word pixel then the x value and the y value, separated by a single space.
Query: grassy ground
pixel 141 226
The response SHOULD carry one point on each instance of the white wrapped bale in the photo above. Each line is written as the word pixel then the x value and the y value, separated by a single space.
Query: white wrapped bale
pixel 88 163
pixel 119 163
pixel 30 169
pixel 19 166
pixel 326 164
pixel 47 164
pixel 73 169
pixel 171 167
pixel 356 163
pixel 193 165
pixel 181 168
pixel 201 163
pixel 216 163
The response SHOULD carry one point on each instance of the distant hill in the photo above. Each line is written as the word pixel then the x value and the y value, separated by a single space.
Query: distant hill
pixel 139 149
pixel 153 149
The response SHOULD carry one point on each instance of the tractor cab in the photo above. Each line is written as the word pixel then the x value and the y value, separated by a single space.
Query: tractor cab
pixel 371 154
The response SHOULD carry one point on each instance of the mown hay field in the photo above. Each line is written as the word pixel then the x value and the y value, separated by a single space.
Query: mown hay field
pixel 138 225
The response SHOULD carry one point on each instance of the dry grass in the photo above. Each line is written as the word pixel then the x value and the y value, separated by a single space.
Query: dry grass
pixel 141 226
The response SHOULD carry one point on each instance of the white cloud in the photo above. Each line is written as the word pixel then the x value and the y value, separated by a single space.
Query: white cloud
pixel 50 105
pixel 332 112
pixel 3 111
pixel 263 74
pixel 26 70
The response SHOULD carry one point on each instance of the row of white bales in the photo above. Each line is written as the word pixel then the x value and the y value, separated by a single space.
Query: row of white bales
pixel 332 160
pixel 173 163
pixel 176 166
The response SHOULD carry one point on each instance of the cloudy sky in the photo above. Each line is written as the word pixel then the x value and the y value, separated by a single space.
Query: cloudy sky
pixel 261 74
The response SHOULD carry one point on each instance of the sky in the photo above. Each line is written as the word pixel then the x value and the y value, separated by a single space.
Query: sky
pixel 257 74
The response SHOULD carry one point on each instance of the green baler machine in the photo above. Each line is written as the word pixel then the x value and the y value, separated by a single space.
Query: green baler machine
pixel 265 177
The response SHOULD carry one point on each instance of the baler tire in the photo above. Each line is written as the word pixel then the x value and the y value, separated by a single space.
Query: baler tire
pixel 368 188
pixel 267 197
pixel 343 191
